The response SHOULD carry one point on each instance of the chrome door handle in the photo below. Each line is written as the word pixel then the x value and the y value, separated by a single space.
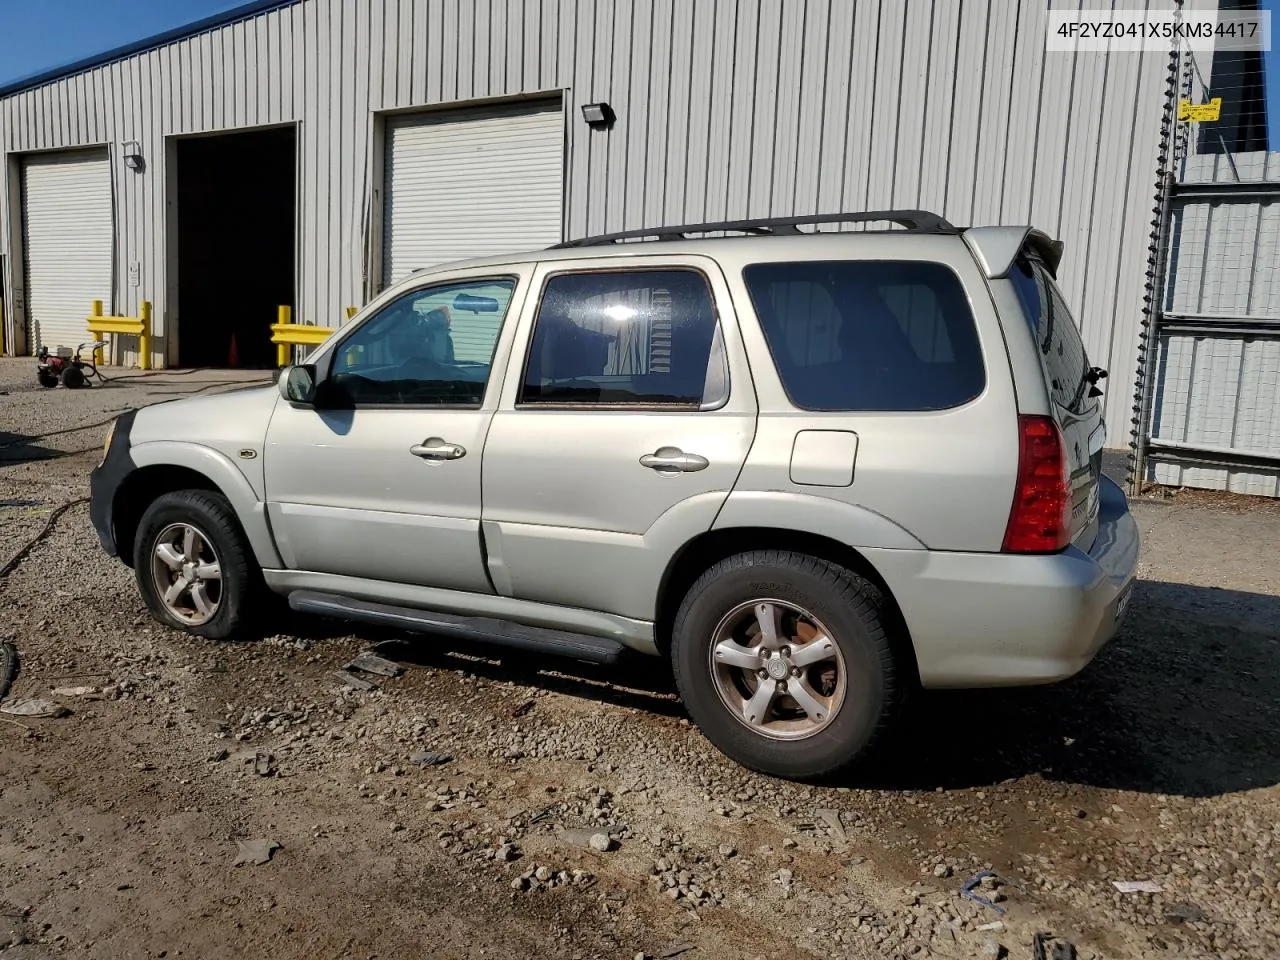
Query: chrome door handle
pixel 673 460
pixel 434 448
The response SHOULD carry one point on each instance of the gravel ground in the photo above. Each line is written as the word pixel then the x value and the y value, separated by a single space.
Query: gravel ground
pixel 579 814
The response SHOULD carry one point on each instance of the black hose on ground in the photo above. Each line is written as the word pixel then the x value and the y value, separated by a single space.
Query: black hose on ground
pixel 12 563
pixel 8 667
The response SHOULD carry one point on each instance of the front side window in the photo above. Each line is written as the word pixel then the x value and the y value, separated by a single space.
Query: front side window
pixel 863 335
pixel 639 337
pixel 1066 364
pixel 431 346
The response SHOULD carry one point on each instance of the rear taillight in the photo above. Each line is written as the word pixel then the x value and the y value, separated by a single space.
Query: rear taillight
pixel 1040 520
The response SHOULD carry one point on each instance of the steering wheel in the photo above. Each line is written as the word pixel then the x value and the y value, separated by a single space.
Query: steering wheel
pixel 423 368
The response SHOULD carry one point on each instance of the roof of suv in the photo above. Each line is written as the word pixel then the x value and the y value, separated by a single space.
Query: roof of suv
pixel 994 247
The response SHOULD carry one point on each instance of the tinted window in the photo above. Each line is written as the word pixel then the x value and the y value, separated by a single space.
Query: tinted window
pixel 430 346
pixel 628 337
pixel 1061 349
pixel 868 335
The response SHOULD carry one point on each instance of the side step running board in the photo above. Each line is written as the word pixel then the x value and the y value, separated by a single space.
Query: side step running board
pixel 484 629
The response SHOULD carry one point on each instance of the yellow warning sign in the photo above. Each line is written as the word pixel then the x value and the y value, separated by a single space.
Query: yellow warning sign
pixel 1200 112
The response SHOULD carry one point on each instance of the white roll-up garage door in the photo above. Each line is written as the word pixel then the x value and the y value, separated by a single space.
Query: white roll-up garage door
pixel 471 184
pixel 66 241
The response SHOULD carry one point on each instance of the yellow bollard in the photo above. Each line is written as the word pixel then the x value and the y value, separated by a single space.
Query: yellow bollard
pixel 97 354
pixel 283 315
pixel 144 338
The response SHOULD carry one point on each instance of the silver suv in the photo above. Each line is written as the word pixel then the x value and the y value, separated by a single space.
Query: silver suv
pixel 813 468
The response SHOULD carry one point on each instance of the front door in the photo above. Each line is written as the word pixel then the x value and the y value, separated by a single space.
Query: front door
pixel 382 480
pixel 620 435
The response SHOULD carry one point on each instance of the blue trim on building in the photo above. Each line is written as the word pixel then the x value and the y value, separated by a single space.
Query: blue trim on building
pixel 242 12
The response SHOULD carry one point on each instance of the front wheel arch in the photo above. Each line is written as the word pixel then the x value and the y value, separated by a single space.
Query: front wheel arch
pixel 212 469
pixel 142 488
pixel 209 521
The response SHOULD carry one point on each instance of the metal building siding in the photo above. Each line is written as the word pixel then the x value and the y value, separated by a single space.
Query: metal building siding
pixel 1223 259
pixel 1221 393
pixel 726 108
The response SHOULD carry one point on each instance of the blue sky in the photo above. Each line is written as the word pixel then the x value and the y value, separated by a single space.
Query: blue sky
pixel 36 35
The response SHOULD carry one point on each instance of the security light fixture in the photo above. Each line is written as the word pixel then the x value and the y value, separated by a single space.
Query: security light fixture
pixel 132 154
pixel 598 114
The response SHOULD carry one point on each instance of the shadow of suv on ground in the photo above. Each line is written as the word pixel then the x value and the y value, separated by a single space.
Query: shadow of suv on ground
pixel 1185 700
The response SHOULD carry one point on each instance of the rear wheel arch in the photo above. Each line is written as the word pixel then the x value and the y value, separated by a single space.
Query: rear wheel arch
pixel 709 548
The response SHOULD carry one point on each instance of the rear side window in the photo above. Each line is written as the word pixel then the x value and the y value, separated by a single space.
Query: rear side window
pixel 1061 350
pixel 868 335
pixel 626 337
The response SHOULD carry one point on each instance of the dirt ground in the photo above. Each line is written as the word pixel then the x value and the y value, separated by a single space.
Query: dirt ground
pixel 119 822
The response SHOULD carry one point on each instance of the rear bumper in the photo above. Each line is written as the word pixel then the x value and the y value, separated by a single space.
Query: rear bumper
pixel 981 620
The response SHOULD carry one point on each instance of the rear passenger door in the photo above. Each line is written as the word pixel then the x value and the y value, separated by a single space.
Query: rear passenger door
pixel 620 432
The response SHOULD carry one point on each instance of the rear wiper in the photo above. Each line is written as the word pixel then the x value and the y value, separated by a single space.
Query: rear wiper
pixel 1093 375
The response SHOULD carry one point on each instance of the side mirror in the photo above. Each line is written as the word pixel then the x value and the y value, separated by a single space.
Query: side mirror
pixel 297 384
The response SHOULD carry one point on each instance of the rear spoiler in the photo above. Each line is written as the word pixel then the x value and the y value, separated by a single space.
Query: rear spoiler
pixel 995 248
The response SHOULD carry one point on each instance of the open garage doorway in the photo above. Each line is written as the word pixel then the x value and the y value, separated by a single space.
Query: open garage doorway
pixel 236 242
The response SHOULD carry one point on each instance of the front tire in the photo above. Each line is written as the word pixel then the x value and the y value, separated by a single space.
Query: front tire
pixel 783 662
pixel 73 378
pixel 193 564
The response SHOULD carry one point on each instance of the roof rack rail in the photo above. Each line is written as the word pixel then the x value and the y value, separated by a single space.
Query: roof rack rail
pixel 915 221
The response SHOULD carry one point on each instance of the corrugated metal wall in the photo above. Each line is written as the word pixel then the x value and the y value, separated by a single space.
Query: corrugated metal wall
pixel 1217 384
pixel 725 109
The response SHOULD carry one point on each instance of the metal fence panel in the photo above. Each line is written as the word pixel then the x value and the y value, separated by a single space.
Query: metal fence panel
pixel 1215 411
pixel 1222 261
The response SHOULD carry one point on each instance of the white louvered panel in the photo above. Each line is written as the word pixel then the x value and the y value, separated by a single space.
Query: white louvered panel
pixel 471 184
pixel 67 233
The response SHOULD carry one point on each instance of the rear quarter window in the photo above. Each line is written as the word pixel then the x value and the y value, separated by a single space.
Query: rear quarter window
pixel 868 335
pixel 1062 352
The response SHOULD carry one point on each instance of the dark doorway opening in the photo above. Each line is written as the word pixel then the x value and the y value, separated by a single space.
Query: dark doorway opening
pixel 236 238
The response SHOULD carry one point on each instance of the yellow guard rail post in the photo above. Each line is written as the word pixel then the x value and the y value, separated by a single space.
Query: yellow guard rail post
pixel 286 334
pixel 139 326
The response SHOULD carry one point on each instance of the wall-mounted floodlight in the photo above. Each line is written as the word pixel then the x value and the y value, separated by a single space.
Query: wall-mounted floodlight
pixel 598 114
pixel 132 151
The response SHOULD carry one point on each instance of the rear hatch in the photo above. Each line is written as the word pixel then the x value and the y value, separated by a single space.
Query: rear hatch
pixel 1072 381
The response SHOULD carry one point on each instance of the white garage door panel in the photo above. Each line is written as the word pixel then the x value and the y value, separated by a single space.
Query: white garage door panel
pixel 66 242
pixel 471 185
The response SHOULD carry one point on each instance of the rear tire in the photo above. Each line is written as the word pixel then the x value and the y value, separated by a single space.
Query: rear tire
pixel 194 566
pixel 827 645
pixel 73 378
